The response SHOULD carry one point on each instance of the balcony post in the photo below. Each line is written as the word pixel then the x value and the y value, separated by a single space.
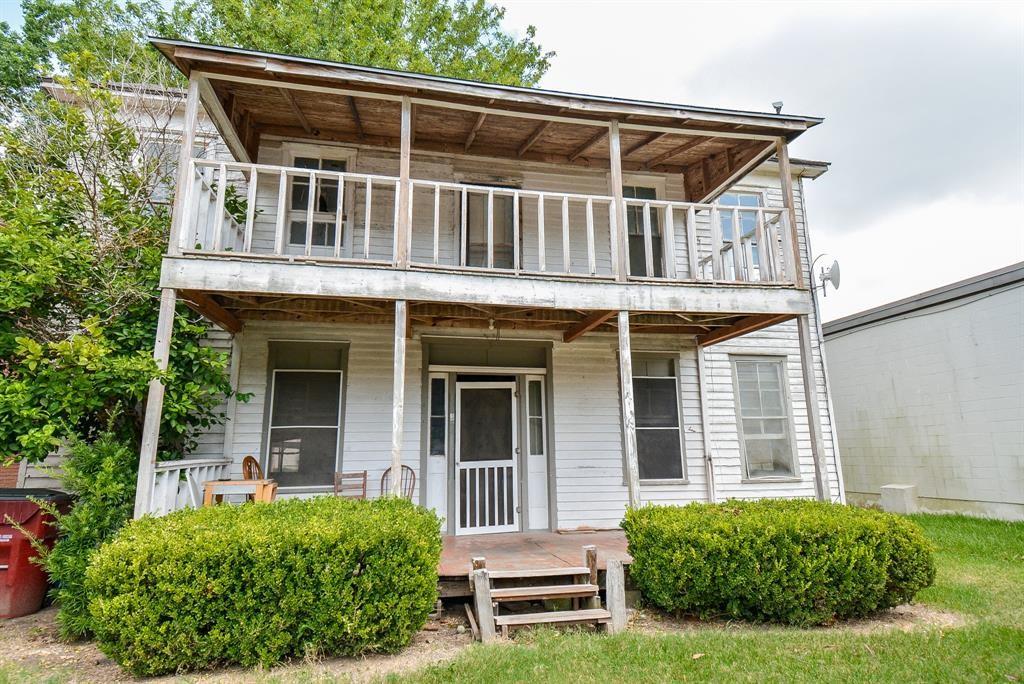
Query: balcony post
pixel 403 227
pixel 398 396
pixel 792 240
pixel 184 181
pixel 619 237
pixel 154 406
pixel 631 465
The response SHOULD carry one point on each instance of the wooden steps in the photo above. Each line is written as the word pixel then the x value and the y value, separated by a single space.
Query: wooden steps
pixel 494 590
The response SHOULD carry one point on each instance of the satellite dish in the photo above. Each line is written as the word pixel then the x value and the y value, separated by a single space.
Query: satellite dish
pixel 830 275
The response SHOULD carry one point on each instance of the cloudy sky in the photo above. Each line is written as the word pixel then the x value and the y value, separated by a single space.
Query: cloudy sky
pixel 924 107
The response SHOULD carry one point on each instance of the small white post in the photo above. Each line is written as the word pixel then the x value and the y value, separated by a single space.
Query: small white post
pixel 398 397
pixel 146 480
pixel 482 603
pixel 615 591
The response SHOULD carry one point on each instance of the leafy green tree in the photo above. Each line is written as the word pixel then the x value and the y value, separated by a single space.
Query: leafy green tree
pixel 82 233
pixel 459 38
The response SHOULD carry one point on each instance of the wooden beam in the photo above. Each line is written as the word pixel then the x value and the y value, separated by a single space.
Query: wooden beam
pixel 476 129
pixel 745 325
pixel 619 239
pixel 581 150
pixel 398 397
pixel 412 125
pixel 534 137
pixel 205 305
pixel 653 138
pixel 630 465
pixel 586 325
pixel 293 103
pixel 741 162
pixel 188 136
pixel 403 231
pixel 809 376
pixel 146 480
pixel 215 110
pixel 355 115
pixel 678 150
pixel 786 179
pixel 705 426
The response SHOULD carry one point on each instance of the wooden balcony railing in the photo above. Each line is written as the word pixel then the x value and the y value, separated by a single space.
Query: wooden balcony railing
pixel 179 484
pixel 262 210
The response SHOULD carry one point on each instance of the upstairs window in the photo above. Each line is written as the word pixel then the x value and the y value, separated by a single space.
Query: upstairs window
pixel 659 437
pixel 635 231
pixel 763 417
pixel 325 203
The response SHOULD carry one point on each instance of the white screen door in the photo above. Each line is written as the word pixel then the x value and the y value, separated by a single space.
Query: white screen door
pixel 485 457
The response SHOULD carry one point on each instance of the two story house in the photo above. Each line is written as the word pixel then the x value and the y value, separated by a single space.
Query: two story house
pixel 549 306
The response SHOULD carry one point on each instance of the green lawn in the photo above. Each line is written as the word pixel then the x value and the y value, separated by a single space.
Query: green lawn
pixel 980 576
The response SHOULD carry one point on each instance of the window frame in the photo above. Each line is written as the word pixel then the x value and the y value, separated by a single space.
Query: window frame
pixel 291 152
pixel 674 358
pixel 527 379
pixel 505 193
pixel 339 426
pixel 657 229
pixel 431 377
pixel 783 364
pixel 762 203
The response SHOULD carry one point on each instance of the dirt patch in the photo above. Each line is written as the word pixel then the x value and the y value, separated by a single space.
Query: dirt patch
pixel 906 618
pixel 32 642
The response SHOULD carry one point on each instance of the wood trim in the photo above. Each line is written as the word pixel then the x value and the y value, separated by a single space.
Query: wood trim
pixel 206 306
pixel 743 326
pixel 586 325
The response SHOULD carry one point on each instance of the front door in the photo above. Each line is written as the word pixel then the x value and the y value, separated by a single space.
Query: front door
pixel 486 451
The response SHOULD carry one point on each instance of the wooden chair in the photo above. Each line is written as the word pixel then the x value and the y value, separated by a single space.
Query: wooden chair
pixel 408 483
pixel 350 485
pixel 251 469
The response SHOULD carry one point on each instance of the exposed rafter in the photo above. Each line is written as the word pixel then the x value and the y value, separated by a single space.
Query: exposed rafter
pixel 653 138
pixel 745 325
pixel 355 115
pixel 582 149
pixel 534 137
pixel 476 129
pixel 205 305
pixel 287 95
pixel 678 150
pixel 586 325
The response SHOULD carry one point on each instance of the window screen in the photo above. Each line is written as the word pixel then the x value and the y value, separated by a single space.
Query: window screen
pixel 485 424
pixel 656 402
pixel 325 203
pixel 635 230
pixel 763 417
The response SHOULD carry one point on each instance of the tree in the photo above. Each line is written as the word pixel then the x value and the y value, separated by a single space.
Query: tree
pixel 458 38
pixel 82 233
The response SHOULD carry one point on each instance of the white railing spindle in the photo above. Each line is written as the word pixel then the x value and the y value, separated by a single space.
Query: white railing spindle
pixel 566 255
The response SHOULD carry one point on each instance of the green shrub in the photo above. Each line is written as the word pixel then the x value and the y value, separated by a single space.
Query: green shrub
pixel 794 562
pixel 101 476
pixel 259 584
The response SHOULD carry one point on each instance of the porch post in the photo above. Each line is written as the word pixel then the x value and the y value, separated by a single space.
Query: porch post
pixel 188 137
pixel 619 239
pixel 791 242
pixel 821 486
pixel 632 468
pixel 398 397
pixel 154 406
pixel 404 223
pixel 705 426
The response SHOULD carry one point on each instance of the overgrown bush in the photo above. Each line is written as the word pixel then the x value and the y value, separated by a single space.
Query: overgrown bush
pixel 101 476
pixel 794 562
pixel 259 584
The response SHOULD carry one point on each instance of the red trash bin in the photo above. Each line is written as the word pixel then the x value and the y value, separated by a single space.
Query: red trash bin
pixel 22 582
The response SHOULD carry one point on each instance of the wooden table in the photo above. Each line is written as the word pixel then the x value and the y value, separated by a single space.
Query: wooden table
pixel 261 490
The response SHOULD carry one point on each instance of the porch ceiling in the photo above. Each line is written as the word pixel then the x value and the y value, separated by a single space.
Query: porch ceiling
pixel 259 94
pixel 232 310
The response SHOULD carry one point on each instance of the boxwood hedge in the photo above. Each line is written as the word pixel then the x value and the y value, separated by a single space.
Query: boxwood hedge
pixel 262 583
pixel 793 562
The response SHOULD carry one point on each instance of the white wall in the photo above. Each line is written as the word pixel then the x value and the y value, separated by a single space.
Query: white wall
pixel 935 398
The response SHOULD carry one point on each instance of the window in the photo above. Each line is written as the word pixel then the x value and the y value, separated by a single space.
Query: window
pixel 438 415
pixel 535 416
pixel 304 430
pixel 659 438
pixel 476 229
pixel 763 417
pixel 325 203
pixel 635 230
pixel 747 220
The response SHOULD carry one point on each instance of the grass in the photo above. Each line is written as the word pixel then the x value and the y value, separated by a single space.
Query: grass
pixel 980 577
